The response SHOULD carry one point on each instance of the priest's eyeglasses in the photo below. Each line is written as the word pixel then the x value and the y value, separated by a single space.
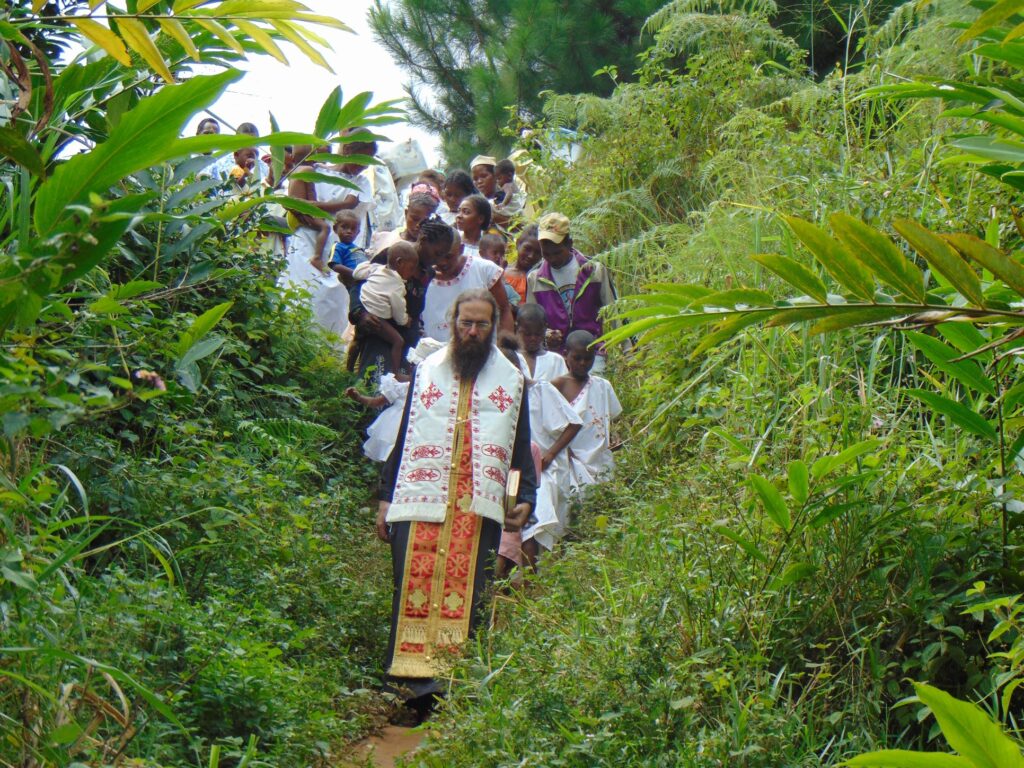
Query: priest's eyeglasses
pixel 480 325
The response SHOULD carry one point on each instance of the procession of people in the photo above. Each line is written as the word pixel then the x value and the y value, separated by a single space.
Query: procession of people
pixel 474 325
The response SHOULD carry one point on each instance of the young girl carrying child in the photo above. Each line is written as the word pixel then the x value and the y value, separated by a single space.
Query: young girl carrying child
pixel 383 296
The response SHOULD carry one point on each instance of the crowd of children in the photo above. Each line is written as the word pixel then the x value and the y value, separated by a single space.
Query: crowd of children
pixel 395 279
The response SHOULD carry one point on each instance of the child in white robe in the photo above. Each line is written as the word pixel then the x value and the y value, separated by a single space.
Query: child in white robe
pixel 594 401
pixel 382 434
pixel 537 362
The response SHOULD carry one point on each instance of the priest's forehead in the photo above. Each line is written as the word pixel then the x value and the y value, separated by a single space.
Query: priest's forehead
pixel 475 310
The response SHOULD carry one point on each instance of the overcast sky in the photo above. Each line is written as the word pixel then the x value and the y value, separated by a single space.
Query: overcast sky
pixel 295 92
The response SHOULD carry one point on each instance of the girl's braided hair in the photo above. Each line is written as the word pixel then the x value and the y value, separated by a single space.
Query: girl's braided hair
pixel 434 230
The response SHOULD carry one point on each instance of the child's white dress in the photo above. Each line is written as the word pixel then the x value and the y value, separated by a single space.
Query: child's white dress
pixel 548 366
pixel 550 414
pixel 382 434
pixel 590 454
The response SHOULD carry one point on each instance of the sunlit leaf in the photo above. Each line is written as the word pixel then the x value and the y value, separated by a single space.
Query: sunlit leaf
pixel 103 37
pixel 943 258
pixel 794 273
pixel 135 34
pixel 834 257
pixel 774 504
pixel 879 254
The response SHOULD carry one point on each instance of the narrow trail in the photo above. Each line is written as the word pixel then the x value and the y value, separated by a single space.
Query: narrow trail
pixel 384 749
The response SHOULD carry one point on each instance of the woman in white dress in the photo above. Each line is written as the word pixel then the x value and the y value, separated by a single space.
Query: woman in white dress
pixel 454 273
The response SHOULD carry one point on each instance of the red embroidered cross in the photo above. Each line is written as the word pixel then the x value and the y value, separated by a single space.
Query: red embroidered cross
pixel 501 399
pixel 430 396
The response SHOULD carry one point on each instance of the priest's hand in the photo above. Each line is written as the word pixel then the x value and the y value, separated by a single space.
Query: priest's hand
pixel 382 527
pixel 516 519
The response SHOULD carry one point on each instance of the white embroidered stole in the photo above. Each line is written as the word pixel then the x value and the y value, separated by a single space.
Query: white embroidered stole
pixel 422 486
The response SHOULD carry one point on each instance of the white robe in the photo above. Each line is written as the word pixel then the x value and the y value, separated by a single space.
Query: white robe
pixel 382 434
pixel 590 454
pixel 441 294
pixel 550 414
pixel 548 366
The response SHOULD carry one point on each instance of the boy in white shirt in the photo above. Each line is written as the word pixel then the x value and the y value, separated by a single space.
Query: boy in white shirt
pixel 537 362
pixel 383 296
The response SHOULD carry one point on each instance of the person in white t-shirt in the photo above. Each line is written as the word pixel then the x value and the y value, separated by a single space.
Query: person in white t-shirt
pixel 538 363
pixel 454 273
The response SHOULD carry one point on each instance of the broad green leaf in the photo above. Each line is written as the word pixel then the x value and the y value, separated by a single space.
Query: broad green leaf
pixel 803 314
pixel 846 270
pixel 957 413
pixel 103 37
pixel 970 731
pixel 879 254
pixel 136 36
pixel 827 464
pixel 903 758
pixel 745 544
pixel 1011 53
pixel 201 326
pixel 943 258
pixel 20 150
pixel 202 348
pixel 774 504
pixel 107 306
pixel 828 514
pixel 144 137
pixel 964 337
pixel 992 259
pixel 327 119
pixel 992 148
pixel 799 486
pixel 967 372
pixel 132 289
pixel 794 273
pixel 323 178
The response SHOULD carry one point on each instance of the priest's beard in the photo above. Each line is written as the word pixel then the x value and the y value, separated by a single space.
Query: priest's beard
pixel 469 356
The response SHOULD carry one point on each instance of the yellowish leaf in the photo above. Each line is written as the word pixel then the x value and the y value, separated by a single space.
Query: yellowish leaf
pixel 173 28
pixel 103 37
pixel 180 6
pixel 144 5
pixel 94 4
pixel 257 7
pixel 293 35
pixel 216 29
pixel 327 21
pixel 134 33
pixel 262 39
pixel 37 5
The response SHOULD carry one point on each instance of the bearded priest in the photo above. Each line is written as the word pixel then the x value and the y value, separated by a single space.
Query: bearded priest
pixel 445 493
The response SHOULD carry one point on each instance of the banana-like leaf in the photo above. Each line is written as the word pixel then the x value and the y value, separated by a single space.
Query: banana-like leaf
pixel 970 731
pixel 771 499
pixel 140 140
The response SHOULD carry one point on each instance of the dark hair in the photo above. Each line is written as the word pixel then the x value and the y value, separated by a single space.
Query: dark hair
pixel 490 239
pixel 347 214
pixel 531 313
pixel 357 147
pixel 462 181
pixel 434 230
pixel 248 129
pixel 401 252
pixel 206 120
pixel 423 200
pixel 435 176
pixel 530 230
pixel 505 166
pixel 483 207
pixel 579 340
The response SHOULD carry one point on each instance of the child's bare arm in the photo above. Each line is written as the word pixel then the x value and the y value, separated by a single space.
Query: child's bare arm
pixel 376 401
pixel 559 445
